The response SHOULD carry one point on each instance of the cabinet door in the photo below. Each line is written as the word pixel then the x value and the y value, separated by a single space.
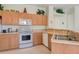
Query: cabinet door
pixel 58 48
pixel 14 41
pixel 37 19
pixel 49 41
pixel 14 18
pixel 6 18
pixel 44 20
pixel 71 49
pixel 24 15
pixel 4 42
pixel 37 38
pixel 0 15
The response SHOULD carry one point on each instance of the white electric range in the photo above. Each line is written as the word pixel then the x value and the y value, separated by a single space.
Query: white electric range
pixel 25 31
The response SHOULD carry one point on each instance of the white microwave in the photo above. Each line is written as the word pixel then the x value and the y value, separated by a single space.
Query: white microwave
pixel 23 21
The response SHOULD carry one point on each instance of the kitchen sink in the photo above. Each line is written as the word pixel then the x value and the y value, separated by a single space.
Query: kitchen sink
pixel 65 37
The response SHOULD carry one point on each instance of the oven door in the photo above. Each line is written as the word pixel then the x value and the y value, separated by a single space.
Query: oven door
pixel 25 38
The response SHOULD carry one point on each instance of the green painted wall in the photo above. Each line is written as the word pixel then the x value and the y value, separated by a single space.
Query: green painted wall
pixel 39 27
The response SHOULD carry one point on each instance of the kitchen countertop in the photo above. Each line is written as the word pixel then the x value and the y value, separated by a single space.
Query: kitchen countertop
pixel 50 33
pixel 10 33
pixel 65 42
pixel 62 41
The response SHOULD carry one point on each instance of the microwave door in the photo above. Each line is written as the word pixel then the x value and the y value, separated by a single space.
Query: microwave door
pixel 22 22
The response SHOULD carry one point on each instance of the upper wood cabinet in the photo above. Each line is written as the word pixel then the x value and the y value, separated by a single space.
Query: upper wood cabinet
pixel 37 19
pixel 6 18
pixel 24 15
pixel 12 18
pixel 45 20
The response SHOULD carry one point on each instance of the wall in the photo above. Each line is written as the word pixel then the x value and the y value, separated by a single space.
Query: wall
pixel 76 18
pixel 70 18
pixel 55 20
pixel 50 17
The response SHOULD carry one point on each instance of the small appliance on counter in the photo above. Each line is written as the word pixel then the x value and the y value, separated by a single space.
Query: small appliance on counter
pixel 4 31
pixel 9 29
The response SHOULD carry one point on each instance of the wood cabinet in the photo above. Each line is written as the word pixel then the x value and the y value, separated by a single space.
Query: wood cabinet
pixel 24 15
pixel 37 19
pixel 6 18
pixel 4 42
pixel 49 41
pixel 71 49
pixel 14 18
pixel 37 38
pixel 14 41
pixel 61 48
pixel 10 18
pixel 58 48
pixel 44 20
pixel 9 41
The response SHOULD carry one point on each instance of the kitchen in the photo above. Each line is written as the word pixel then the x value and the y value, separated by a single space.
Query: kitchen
pixel 22 26
pixel 20 29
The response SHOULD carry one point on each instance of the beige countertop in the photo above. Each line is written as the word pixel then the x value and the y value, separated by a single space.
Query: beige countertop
pixel 50 33
pixel 65 42
pixel 10 33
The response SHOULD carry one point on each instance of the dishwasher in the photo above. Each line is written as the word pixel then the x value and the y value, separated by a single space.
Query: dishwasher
pixel 45 39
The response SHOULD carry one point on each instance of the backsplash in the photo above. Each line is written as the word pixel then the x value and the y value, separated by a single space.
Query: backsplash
pixel 8 26
pixel 0 28
pixel 5 27
pixel 39 27
pixel 14 27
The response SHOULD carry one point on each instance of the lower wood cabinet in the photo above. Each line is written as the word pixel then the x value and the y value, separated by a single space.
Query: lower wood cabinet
pixel 8 41
pixel 49 41
pixel 58 48
pixel 4 43
pixel 14 41
pixel 61 48
pixel 37 38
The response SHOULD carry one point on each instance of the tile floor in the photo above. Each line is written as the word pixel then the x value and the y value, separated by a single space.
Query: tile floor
pixel 40 49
